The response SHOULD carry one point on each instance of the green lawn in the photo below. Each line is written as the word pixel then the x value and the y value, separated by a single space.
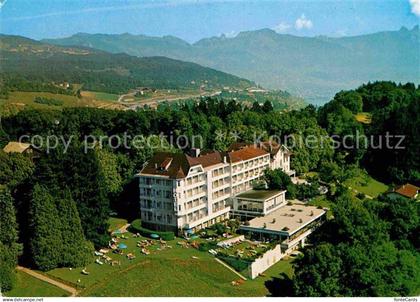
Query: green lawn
pixel 258 285
pixel 168 272
pixel 116 223
pixel 18 100
pixel 105 96
pixel 28 286
pixel 323 202
pixel 367 185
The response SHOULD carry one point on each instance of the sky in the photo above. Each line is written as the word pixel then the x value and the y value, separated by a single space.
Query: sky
pixel 193 20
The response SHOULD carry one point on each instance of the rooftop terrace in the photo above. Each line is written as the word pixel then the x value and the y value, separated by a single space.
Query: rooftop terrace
pixel 288 219
pixel 259 194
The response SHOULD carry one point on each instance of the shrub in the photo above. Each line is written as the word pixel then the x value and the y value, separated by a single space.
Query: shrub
pixel 360 196
pixel 240 265
pixel 219 228
pixel 206 246
pixel 49 102
pixel 137 228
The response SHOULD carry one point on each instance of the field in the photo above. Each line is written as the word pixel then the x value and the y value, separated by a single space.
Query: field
pixel 176 271
pixel 101 96
pixel 367 185
pixel 19 100
pixel 116 223
pixel 28 286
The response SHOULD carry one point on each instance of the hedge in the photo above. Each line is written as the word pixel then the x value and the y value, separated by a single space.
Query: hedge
pixel 136 227
pixel 241 266
pixel 206 246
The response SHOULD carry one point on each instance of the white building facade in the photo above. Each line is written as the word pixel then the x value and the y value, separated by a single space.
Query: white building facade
pixel 183 193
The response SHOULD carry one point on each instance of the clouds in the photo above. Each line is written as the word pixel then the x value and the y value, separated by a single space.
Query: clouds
pixel 117 6
pixel 303 23
pixel 2 2
pixel 231 34
pixel 281 27
pixel 415 7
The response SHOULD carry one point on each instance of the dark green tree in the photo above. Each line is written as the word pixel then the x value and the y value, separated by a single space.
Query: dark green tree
pixel 76 250
pixel 9 247
pixel 318 273
pixel 46 241
pixel 14 168
pixel 277 179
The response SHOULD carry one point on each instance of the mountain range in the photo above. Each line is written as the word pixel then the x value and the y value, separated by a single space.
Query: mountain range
pixel 98 70
pixel 312 67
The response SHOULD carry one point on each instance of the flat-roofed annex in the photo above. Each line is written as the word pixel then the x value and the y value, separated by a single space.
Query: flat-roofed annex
pixel 259 195
pixel 286 221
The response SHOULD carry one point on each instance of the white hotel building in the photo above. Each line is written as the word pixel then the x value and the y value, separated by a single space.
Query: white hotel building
pixel 179 192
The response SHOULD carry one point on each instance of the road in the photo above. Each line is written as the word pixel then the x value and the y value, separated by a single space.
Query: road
pixel 67 288
pixel 157 100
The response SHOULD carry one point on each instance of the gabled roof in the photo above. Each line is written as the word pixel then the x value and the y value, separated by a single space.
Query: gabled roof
pixel 408 190
pixel 271 147
pixel 206 159
pixel 16 147
pixel 177 165
pixel 245 153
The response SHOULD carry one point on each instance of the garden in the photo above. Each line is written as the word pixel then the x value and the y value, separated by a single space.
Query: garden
pixel 168 269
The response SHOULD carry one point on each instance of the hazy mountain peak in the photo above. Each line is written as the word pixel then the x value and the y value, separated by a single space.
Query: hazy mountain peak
pixel 314 67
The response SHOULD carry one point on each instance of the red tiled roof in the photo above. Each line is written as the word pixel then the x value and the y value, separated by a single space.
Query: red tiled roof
pixel 237 146
pixel 245 154
pixel 165 164
pixel 408 190
pixel 271 147
pixel 206 159
pixel 178 167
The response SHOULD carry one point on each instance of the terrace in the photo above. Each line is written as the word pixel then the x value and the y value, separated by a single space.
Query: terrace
pixel 291 223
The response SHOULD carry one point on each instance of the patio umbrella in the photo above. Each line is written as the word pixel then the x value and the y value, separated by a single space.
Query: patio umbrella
pixel 122 246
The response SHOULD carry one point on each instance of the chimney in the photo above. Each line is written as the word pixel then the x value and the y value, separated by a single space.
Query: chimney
pixel 195 152
pixel 156 166
pixel 224 159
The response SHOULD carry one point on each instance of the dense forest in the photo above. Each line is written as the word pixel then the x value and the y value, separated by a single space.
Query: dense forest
pixel 76 189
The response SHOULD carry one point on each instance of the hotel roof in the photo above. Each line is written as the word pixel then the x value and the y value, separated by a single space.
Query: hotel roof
pixel 16 147
pixel 271 147
pixel 245 153
pixel 408 190
pixel 177 165
pixel 287 220
pixel 259 194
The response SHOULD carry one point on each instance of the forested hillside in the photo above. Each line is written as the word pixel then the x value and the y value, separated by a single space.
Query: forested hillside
pixel 25 59
pixel 394 111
